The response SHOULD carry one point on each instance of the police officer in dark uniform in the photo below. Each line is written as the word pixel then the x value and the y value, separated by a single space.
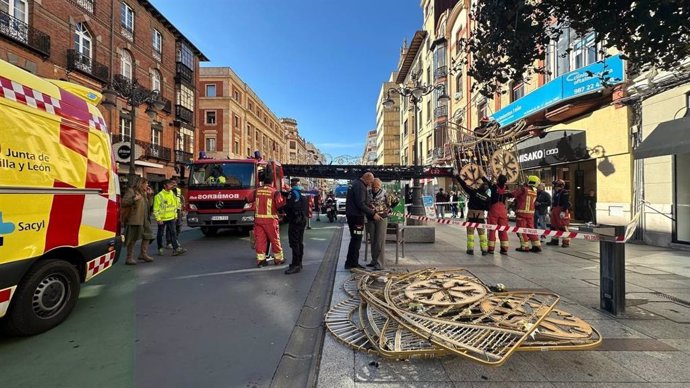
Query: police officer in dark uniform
pixel 296 211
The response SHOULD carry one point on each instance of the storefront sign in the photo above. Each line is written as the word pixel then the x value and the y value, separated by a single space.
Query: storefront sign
pixel 554 149
pixel 582 81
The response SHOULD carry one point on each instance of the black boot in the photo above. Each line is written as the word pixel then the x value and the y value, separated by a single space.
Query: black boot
pixel 293 269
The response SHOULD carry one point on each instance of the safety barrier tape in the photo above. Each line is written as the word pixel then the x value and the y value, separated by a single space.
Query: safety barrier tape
pixel 515 229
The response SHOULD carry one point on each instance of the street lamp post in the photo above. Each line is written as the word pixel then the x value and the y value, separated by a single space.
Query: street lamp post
pixel 136 95
pixel 415 92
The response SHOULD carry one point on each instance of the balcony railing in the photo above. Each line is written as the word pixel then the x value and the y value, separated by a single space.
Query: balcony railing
pixel 87 65
pixel 21 32
pixel 441 111
pixel 184 114
pixel 167 108
pixel 126 32
pixel 155 151
pixel 183 157
pixel 85 4
pixel 441 72
pixel 184 73
pixel 118 137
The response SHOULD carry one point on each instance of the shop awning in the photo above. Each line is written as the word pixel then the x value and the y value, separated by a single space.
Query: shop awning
pixel 668 138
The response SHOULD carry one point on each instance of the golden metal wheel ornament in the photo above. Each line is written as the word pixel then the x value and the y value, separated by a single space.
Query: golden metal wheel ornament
pixel 430 313
pixel 472 175
pixel 505 162
pixel 445 291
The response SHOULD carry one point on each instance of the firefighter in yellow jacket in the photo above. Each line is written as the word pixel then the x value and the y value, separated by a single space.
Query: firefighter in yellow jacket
pixel 165 206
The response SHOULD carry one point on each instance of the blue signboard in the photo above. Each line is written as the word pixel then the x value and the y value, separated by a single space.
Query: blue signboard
pixel 582 81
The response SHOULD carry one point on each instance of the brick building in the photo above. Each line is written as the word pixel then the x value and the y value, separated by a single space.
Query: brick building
pixel 233 120
pixel 94 42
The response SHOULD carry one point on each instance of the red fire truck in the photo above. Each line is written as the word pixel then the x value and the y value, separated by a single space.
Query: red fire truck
pixel 220 193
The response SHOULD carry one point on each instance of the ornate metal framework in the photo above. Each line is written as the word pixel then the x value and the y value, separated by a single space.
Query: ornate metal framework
pixel 430 313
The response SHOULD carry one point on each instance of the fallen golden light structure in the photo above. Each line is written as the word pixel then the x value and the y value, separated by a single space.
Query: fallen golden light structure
pixel 430 313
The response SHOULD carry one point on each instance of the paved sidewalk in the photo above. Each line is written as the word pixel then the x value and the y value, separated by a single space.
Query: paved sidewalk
pixel 647 347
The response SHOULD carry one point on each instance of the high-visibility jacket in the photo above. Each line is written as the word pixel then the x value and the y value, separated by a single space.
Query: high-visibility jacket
pixel 165 205
pixel 268 200
pixel 524 200
pixel 219 180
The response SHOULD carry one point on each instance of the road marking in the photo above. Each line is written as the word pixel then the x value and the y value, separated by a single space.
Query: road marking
pixel 91 291
pixel 246 270
pixel 317 238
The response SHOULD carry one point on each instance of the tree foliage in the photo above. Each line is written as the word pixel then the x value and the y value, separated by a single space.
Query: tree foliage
pixel 509 36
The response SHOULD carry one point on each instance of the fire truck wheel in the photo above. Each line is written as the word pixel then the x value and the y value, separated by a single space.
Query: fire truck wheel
pixel 44 299
pixel 208 231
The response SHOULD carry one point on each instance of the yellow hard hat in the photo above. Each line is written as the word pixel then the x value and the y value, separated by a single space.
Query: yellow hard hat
pixel 533 180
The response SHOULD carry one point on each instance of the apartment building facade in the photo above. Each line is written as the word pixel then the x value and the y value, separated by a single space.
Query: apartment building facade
pixel 296 145
pixel 388 126
pixel 93 43
pixel 233 120
pixel 369 154
pixel 575 130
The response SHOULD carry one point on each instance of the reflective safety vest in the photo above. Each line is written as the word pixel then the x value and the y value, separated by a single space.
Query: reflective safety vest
pixel 165 205
pixel 212 179
pixel 525 197
pixel 268 201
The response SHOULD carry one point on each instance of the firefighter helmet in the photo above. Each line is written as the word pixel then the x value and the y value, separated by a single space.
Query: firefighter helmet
pixel 533 180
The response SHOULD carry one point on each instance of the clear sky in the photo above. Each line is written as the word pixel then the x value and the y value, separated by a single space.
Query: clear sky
pixel 320 62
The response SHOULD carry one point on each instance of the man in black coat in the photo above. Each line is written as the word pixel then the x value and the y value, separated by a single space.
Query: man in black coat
pixel 356 209
pixel 296 211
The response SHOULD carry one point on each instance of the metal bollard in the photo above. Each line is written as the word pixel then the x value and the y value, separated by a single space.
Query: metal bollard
pixel 612 273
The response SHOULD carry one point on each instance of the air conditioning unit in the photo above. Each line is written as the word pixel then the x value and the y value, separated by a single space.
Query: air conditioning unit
pixel 457 95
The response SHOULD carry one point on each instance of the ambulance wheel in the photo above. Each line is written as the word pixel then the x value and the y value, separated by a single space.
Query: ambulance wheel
pixel 44 299
pixel 208 231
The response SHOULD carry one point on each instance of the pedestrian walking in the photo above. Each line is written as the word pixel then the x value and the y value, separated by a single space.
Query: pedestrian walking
pixel 178 220
pixel 267 202
pixel 461 204
pixel 296 211
pixel 379 201
pixel 165 206
pixel 560 212
pixel 525 197
pixel 498 213
pixel 541 207
pixel 478 205
pixel 136 205
pixel 356 209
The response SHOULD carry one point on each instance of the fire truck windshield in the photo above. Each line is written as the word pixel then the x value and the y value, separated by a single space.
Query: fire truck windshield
pixel 225 175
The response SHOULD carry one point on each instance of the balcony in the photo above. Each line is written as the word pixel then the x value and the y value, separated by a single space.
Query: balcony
pixel 167 108
pixel 155 151
pixel 118 137
pixel 441 111
pixel 441 72
pixel 184 73
pixel 183 157
pixel 184 114
pixel 86 65
pixel 24 34
pixel 127 32
pixel 87 5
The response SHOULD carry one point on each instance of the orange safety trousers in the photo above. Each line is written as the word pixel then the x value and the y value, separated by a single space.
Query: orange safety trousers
pixel 498 215
pixel 267 231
